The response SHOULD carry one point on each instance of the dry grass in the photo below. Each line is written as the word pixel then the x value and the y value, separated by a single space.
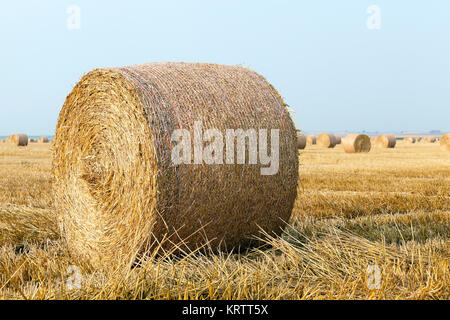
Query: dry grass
pixel 388 208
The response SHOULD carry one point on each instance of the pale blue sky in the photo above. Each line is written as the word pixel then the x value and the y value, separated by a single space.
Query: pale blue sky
pixel 330 68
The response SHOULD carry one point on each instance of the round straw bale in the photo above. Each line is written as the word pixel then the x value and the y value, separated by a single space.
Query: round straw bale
pixel 32 140
pixel 310 140
pixel 326 140
pixel 386 141
pixel 18 139
pixel 119 193
pixel 410 140
pixel 356 143
pixel 445 142
pixel 338 139
pixel 301 141
pixel 43 139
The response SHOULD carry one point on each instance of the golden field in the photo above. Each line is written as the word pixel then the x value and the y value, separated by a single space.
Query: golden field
pixel 388 209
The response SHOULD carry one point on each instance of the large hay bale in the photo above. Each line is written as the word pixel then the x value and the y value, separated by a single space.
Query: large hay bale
pixel 428 140
pixel 410 140
pixel 356 143
pixel 445 142
pixel 310 140
pixel 118 191
pixel 326 140
pixel 301 141
pixel 43 139
pixel 18 139
pixel 338 139
pixel 386 141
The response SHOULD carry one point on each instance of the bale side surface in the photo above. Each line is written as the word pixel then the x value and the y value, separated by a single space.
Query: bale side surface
pixel 338 139
pixel 117 192
pixel 386 141
pixel 356 143
pixel 326 140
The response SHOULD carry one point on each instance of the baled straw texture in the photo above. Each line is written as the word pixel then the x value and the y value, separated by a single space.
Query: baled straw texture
pixel 410 140
pixel 117 192
pixel 301 141
pixel 43 139
pixel 386 141
pixel 310 140
pixel 18 139
pixel 356 143
pixel 445 142
pixel 326 140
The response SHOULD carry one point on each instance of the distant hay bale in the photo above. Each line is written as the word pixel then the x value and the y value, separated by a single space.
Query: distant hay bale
pixel 428 140
pixel 118 192
pixel 18 139
pixel 326 140
pixel 410 140
pixel 386 141
pixel 43 139
pixel 301 141
pixel 310 140
pixel 338 139
pixel 356 143
pixel 32 140
pixel 445 142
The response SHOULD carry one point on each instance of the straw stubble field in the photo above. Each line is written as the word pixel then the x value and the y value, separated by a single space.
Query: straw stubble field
pixel 385 210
